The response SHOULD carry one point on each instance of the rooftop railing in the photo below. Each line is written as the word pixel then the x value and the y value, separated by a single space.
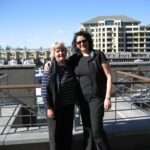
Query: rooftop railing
pixel 130 101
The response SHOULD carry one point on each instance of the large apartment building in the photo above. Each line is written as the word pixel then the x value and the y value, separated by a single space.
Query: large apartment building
pixel 118 34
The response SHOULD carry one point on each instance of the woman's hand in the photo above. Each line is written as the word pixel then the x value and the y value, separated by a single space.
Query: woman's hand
pixel 47 66
pixel 50 113
pixel 107 104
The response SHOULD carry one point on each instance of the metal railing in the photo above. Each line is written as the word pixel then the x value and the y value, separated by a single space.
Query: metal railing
pixel 130 101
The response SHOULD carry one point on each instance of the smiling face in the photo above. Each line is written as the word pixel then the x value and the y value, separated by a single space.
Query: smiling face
pixel 82 44
pixel 60 54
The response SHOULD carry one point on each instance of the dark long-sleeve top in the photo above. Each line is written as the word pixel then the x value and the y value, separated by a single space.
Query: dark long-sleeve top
pixel 45 79
pixel 59 88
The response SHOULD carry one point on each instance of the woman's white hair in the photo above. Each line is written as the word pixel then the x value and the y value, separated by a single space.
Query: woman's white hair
pixel 56 45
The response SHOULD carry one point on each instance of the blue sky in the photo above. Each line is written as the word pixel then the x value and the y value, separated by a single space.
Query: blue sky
pixel 39 23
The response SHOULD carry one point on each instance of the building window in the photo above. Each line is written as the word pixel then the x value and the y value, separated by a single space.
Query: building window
pixel 147 34
pixel 109 50
pixel 147 50
pixel 128 29
pixel 147 45
pixel 109 29
pixel 109 40
pixel 109 34
pixel 135 29
pixel 147 40
pixel 92 30
pixel 142 28
pixel 109 22
pixel 141 34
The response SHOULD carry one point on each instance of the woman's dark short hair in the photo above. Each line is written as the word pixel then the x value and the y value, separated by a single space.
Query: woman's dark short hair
pixel 86 35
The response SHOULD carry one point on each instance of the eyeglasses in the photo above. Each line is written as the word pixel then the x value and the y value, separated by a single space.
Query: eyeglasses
pixel 82 41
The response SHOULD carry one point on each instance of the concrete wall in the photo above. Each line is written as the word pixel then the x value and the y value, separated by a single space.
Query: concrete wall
pixel 18 74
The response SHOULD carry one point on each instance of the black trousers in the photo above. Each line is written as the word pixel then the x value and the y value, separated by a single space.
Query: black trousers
pixel 60 129
pixel 92 113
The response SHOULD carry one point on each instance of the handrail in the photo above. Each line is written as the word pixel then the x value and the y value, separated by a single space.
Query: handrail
pixel 134 76
pixel 131 82
pixel 124 106
pixel 3 76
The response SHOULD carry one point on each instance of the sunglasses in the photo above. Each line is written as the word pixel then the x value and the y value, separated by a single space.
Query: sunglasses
pixel 82 41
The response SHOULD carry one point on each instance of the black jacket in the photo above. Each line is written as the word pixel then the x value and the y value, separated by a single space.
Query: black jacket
pixel 61 86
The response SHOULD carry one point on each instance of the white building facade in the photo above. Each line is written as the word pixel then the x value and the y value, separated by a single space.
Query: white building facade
pixel 118 34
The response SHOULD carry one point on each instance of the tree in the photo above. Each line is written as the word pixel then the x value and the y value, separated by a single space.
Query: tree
pixel 1 48
pixel 41 48
pixel 8 48
pixel 19 48
pixel 25 48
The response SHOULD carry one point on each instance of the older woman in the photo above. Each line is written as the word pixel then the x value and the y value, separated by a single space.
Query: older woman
pixel 60 96
pixel 94 74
